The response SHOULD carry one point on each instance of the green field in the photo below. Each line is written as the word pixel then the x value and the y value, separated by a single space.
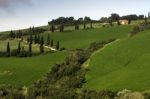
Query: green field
pixel 83 38
pixel 25 71
pixel 123 64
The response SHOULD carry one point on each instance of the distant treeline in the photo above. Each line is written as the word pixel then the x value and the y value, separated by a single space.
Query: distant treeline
pixel 70 21
pixel 114 16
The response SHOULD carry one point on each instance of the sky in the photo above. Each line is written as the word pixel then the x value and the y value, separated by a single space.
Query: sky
pixel 19 14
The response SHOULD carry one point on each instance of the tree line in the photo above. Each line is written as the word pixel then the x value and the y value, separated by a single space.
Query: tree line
pixel 61 22
pixel 37 39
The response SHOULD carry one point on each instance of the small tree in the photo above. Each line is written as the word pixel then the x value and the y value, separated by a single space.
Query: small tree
pixel 35 39
pixel 84 25
pixel 51 43
pixel 8 49
pixel 31 39
pixel 62 27
pixel 57 45
pixel 11 34
pixel 19 48
pixel 38 39
pixel 76 26
pixel 52 28
pixel 118 22
pixel 19 34
pixel 48 40
pixel 30 49
pixel 129 21
pixel 41 45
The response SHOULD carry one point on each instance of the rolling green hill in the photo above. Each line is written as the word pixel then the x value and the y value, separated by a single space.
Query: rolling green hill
pixel 122 64
pixel 83 38
pixel 25 71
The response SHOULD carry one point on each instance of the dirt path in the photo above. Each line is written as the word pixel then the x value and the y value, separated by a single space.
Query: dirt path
pixel 48 47
pixel 86 64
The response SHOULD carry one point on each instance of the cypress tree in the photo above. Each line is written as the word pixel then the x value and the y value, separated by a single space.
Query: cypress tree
pixel 19 48
pixel 38 39
pixel 31 39
pixel 129 21
pixel 30 30
pixel 76 26
pixel 35 39
pixel 57 45
pixel 8 49
pixel 11 34
pixel 52 28
pixel 62 27
pixel 30 49
pixel 19 34
pixel 51 43
pixel 118 22
pixel 48 40
pixel 84 25
pixel 41 45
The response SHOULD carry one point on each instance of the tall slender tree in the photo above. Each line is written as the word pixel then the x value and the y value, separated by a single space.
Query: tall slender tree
pixel 129 21
pixel 62 27
pixel 38 39
pixel 8 49
pixel 51 43
pixel 11 34
pixel 30 49
pixel 118 22
pixel 35 39
pixel 57 45
pixel 52 27
pixel 31 38
pixel 48 40
pixel 84 25
pixel 42 45
pixel 19 48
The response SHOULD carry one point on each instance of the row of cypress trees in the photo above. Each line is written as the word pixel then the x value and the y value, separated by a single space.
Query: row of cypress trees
pixel 61 27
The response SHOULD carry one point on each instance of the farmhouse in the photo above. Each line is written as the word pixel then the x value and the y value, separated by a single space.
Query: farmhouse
pixel 124 22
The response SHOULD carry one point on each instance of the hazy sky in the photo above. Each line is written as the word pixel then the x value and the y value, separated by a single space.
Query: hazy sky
pixel 15 14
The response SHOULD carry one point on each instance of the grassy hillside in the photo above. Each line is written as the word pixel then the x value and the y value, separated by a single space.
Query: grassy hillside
pixel 123 64
pixel 24 71
pixel 82 38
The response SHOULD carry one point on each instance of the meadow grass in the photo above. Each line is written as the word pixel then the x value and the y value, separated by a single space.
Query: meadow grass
pixel 83 38
pixel 25 71
pixel 124 64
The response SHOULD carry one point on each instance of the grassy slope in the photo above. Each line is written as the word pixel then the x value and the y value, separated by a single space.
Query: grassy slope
pixel 124 64
pixel 82 38
pixel 24 71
